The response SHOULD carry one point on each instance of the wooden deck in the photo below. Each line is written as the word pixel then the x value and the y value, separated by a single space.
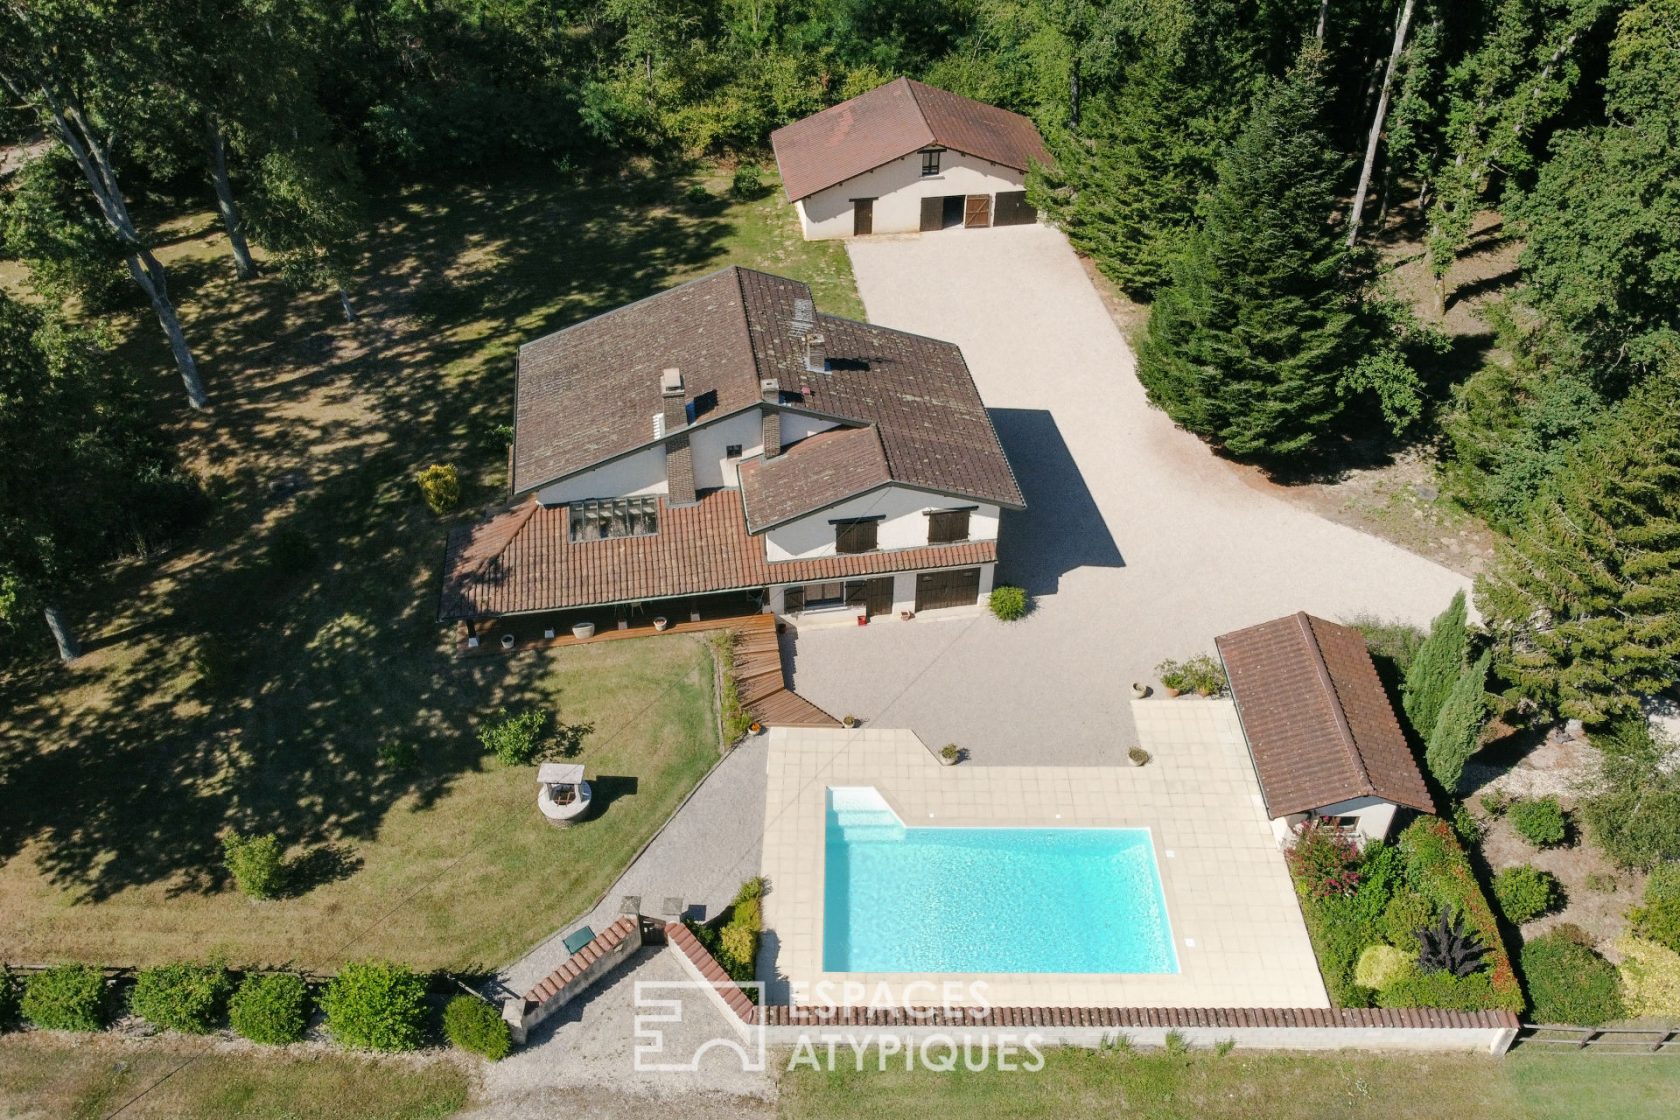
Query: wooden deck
pixel 758 674
pixel 758 659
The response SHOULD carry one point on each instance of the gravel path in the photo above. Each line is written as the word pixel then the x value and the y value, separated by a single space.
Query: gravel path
pixel 704 853
pixel 1138 544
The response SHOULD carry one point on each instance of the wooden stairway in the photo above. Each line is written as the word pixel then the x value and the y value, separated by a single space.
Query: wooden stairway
pixel 758 675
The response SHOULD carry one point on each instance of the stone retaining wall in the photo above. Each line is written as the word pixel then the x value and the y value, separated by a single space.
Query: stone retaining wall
pixel 609 948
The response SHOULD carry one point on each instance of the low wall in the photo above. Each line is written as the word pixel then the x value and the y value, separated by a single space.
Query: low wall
pixel 1254 1028
pixel 581 970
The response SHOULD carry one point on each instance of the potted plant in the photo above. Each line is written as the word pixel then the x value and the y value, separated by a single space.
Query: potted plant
pixel 950 754
pixel 1139 690
pixel 507 641
pixel 660 622
pixel 1173 677
pixel 849 721
pixel 755 727
pixel 906 615
pixel 1139 756
pixel 583 631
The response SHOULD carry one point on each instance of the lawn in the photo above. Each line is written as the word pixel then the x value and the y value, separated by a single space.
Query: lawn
pixel 41 1076
pixel 274 671
pixel 1242 1085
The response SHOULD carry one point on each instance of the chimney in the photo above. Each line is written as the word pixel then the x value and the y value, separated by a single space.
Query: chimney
pixel 816 353
pixel 771 390
pixel 679 458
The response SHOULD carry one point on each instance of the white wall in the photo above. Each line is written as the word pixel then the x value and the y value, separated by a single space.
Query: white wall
pixel 711 468
pixel 1375 818
pixel 898 189
pixel 796 426
pixel 904 523
pixel 904 599
pixel 640 473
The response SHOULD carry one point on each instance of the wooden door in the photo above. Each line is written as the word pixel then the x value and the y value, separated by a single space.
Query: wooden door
pixel 978 211
pixel 863 216
pixel 875 596
pixel 960 588
pixel 1013 209
pixel 933 213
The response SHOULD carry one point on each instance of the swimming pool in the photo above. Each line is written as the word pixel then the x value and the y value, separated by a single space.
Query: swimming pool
pixel 897 899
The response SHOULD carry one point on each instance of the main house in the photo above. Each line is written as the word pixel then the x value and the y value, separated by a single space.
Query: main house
pixel 905 157
pixel 725 446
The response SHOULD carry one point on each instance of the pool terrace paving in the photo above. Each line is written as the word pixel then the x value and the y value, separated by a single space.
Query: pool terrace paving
pixel 1236 925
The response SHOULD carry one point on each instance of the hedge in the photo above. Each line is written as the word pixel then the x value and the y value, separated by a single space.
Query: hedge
pixel 70 997
pixel 477 1027
pixel 271 1008
pixel 8 999
pixel 1650 978
pixel 376 1005
pixel 188 998
pixel 1438 867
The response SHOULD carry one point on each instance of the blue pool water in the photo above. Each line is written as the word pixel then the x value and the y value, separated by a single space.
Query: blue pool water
pixel 900 899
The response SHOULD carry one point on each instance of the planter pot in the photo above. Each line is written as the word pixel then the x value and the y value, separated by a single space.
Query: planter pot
pixel 548 632
pixel 1169 690
pixel 756 728
pixel 507 641
pixel 863 620
pixel 849 721
pixel 952 761
pixel 660 623
pixel 583 631
pixel 1140 690
pixel 472 643
pixel 906 615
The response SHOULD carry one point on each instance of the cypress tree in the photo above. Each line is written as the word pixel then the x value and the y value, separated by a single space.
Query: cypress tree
pixel 1458 729
pixel 1439 661
pixel 1249 344
pixel 1584 598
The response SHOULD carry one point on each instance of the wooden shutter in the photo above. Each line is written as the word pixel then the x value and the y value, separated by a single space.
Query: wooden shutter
pixel 933 213
pixel 854 536
pixel 793 600
pixel 947 526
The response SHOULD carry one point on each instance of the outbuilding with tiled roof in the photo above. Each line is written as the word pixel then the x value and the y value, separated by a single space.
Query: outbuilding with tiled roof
pixel 1323 736
pixel 904 157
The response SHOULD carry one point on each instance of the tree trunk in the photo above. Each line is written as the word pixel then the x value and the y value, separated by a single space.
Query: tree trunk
pixel 1323 19
pixel 148 272
pixel 1073 94
pixel 1371 141
pixel 344 304
pixel 68 648
pixel 242 262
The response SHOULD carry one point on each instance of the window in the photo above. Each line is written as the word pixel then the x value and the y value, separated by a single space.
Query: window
pixel 855 536
pixel 819 595
pixel 930 163
pixel 732 451
pixel 605 519
pixel 1343 824
pixel 947 526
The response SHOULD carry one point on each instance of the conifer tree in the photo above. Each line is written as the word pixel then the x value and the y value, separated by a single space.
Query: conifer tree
pixel 1249 344
pixel 1439 661
pixel 1458 729
pixel 1584 597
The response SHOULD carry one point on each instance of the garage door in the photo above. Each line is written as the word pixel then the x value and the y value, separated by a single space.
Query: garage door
pixel 1013 209
pixel 875 596
pixel 959 588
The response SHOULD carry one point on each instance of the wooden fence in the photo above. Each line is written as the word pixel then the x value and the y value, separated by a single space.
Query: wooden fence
pixel 1605 1040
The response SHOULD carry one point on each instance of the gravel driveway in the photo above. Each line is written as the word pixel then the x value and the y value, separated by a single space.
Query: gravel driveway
pixel 1138 544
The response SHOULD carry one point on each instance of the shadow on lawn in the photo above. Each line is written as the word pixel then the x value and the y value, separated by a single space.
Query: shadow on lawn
pixel 251 681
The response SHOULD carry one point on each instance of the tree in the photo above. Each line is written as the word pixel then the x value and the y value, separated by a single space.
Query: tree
pixel 1458 729
pixel 70 61
pixel 308 211
pixel 1401 27
pixel 1602 252
pixel 1437 665
pixel 1584 598
pixel 1250 343
pixel 83 475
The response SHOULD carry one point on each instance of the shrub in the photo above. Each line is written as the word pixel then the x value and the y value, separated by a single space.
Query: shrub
pixel 271 1008
pixel 70 997
pixel 8 999
pixel 1634 815
pixel 1539 821
pixel 1138 755
pixel 376 1005
pixel 477 1027
pixel 1664 882
pixel 254 862
pixel 517 740
pixel 1389 640
pixel 1659 921
pixel 1457 731
pixel 1568 982
pixel 1381 966
pixel 1008 603
pixel 1406 913
pixel 1204 675
pixel 188 998
pixel 1465 824
pixel 1496 802
pixel 747 182
pixel 1435 668
pixel 441 487
pixel 1650 978
pixel 1323 861
pixel 697 193
pixel 1440 990
pixel 1524 893
pixel 737 947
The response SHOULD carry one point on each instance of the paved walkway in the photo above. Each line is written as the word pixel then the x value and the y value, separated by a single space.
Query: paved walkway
pixel 1138 544
pixel 704 853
